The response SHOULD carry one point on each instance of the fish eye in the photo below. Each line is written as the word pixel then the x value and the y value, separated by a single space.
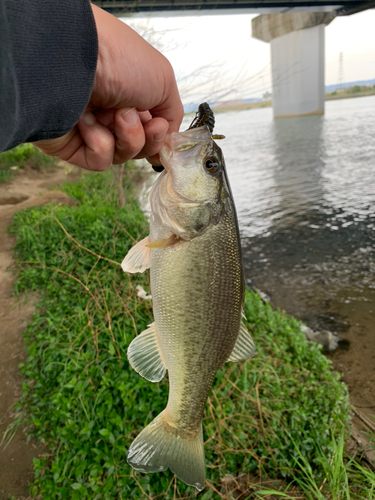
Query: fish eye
pixel 212 165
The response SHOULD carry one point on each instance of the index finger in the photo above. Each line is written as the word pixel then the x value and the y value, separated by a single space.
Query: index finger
pixel 171 109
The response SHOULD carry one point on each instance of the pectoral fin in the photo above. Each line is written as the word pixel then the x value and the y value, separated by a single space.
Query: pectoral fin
pixel 145 356
pixel 138 258
pixel 244 347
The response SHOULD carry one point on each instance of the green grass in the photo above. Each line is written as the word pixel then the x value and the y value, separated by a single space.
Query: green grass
pixel 5 175
pixel 25 155
pixel 345 477
pixel 264 417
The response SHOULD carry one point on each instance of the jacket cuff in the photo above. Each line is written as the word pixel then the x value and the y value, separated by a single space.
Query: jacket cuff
pixel 50 65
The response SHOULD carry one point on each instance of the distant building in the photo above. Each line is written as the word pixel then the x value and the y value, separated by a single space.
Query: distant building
pixel 267 96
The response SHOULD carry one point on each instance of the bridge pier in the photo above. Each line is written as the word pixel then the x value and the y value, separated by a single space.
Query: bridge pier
pixel 297 59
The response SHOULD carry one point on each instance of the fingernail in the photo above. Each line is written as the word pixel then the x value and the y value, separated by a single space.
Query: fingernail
pixel 160 136
pixel 89 118
pixel 130 117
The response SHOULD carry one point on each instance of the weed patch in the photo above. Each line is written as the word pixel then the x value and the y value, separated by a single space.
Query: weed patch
pixel 5 175
pixel 23 156
pixel 80 395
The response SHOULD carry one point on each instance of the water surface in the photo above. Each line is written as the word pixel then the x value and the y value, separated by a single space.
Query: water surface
pixel 305 195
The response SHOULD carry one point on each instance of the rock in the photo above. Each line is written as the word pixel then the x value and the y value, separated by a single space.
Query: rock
pixel 325 338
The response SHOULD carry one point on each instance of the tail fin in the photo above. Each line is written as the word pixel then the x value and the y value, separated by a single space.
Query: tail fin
pixel 155 449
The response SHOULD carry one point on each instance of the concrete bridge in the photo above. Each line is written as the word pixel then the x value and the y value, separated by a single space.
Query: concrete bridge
pixel 294 29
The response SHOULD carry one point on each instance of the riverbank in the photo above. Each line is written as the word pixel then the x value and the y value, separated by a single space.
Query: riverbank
pixel 329 96
pixel 266 418
pixel 357 91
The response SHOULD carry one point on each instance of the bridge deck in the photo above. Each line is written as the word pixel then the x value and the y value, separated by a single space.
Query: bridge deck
pixel 181 7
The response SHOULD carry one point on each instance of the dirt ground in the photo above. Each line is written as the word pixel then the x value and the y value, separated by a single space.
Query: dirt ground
pixel 29 188
pixel 357 362
pixel 353 321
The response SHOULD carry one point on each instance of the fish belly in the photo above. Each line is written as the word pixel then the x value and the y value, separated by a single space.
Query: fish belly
pixel 197 290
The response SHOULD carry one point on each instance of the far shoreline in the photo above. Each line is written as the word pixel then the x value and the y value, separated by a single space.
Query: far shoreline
pixel 268 104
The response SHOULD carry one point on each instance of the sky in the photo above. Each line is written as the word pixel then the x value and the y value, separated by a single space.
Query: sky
pixel 215 57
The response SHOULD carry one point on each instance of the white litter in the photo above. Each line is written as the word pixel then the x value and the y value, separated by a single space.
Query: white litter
pixel 142 293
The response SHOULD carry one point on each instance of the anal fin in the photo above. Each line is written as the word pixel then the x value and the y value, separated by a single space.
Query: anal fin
pixel 145 357
pixel 244 347
pixel 138 259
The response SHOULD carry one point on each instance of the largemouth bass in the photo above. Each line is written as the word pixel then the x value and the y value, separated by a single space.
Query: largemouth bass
pixel 197 286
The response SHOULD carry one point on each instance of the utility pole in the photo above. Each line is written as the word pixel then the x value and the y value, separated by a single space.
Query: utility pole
pixel 341 71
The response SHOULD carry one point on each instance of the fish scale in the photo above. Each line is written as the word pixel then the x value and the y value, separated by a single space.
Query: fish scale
pixel 199 339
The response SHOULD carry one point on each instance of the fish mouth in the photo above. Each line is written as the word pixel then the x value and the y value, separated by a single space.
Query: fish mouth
pixel 199 133
pixel 185 143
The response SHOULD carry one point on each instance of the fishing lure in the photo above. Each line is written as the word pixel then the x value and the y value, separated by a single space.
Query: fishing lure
pixel 205 116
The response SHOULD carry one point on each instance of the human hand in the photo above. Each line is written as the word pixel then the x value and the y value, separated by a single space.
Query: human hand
pixel 134 103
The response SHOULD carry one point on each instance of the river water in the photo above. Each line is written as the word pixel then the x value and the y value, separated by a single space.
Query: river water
pixel 305 195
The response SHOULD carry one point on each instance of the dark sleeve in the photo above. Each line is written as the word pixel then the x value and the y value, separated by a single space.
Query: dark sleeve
pixel 48 53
